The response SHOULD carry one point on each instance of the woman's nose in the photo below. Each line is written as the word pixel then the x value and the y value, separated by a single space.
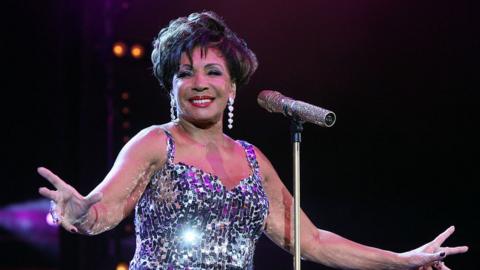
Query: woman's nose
pixel 200 83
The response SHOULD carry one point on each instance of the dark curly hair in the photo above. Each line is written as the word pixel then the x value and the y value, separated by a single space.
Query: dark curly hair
pixel 205 30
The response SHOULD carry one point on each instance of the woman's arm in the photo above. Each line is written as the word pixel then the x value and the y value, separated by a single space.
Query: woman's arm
pixel 331 249
pixel 115 197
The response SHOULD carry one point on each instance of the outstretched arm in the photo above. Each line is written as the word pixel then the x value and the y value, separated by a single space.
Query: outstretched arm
pixel 332 250
pixel 115 197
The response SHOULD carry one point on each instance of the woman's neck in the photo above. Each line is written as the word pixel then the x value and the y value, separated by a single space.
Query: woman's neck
pixel 201 135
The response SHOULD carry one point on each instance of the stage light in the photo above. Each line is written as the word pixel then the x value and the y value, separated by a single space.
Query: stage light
pixel 26 220
pixel 137 51
pixel 122 266
pixel 125 110
pixel 119 49
pixel 125 95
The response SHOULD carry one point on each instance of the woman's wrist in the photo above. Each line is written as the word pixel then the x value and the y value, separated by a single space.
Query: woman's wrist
pixel 86 223
pixel 403 260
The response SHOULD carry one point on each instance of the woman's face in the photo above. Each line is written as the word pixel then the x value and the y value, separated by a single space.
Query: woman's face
pixel 201 88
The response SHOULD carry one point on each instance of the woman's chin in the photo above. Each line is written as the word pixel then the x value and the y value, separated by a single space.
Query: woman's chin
pixel 203 123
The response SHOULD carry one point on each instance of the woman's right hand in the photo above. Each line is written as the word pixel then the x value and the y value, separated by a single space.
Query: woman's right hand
pixel 69 206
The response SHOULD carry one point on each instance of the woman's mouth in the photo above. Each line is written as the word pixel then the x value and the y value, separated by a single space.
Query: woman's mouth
pixel 201 101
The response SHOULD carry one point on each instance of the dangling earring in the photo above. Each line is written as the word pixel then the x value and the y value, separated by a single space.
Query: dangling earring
pixel 173 108
pixel 230 112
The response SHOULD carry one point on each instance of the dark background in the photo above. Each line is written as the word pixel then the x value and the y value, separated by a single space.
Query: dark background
pixel 398 167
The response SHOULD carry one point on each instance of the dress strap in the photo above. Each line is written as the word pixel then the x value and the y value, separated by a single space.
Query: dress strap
pixel 251 157
pixel 170 146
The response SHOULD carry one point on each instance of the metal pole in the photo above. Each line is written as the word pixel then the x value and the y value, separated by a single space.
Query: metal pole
pixel 296 138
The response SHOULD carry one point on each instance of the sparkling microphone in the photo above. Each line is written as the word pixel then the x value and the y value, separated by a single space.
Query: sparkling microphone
pixel 275 102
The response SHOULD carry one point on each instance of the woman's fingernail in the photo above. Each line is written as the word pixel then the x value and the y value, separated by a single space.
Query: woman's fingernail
pixel 442 254
pixel 73 230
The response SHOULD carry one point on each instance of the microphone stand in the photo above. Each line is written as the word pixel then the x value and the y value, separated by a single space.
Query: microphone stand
pixel 296 132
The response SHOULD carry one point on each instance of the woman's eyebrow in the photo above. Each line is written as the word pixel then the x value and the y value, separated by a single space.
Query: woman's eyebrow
pixel 186 65
pixel 213 65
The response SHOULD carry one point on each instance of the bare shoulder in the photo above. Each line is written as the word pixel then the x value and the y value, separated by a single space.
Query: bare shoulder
pixel 153 133
pixel 149 144
pixel 150 136
pixel 266 167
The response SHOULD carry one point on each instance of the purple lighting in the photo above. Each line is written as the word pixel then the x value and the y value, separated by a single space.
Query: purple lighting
pixel 49 220
pixel 27 222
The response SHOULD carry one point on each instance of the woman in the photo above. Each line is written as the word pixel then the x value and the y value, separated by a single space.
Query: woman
pixel 183 177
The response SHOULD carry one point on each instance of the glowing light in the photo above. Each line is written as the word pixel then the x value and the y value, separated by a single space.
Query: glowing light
pixel 122 266
pixel 137 51
pixel 26 220
pixel 119 49
pixel 190 236
pixel 125 95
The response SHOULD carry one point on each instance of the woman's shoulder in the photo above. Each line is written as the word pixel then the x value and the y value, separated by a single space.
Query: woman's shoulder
pixel 153 133
pixel 260 156
pixel 248 144
pixel 264 163
pixel 149 143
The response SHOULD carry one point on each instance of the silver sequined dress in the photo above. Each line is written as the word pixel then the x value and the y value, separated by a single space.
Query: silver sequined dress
pixel 187 219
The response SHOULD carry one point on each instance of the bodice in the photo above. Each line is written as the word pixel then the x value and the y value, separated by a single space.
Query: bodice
pixel 187 219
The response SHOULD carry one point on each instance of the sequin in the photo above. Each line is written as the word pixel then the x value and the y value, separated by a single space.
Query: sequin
pixel 187 219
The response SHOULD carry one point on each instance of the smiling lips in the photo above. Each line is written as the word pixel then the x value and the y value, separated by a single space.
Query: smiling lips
pixel 201 101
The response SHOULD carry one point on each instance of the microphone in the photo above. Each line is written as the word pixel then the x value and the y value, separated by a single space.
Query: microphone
pixel 275 102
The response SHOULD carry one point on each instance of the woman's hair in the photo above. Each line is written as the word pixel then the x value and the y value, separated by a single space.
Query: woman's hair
pixel 205 30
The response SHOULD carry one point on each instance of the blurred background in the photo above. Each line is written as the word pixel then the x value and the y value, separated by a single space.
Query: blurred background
pixel 398 167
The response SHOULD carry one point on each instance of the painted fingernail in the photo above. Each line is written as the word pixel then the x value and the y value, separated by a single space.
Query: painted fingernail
pixel 73 230
pixel 442 254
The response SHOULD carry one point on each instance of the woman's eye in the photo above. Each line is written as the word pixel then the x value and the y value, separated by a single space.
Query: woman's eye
pixel 182 74
pixel 214 72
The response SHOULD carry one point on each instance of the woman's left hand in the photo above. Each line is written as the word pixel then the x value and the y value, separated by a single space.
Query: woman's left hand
pixel 430 255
